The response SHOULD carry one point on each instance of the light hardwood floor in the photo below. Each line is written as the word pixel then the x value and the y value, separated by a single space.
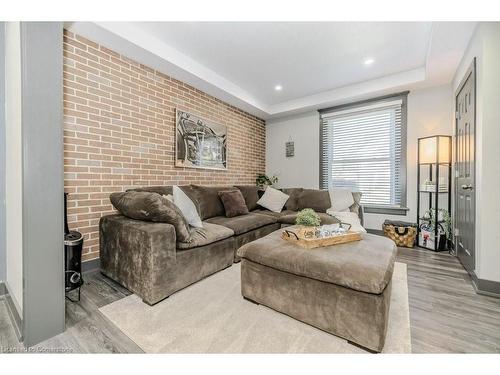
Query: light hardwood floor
pixel 446 315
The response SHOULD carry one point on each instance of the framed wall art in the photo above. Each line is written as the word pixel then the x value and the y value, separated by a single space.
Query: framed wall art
pixel 199 143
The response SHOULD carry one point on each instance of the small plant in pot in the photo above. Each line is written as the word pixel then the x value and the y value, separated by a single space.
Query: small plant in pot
pixel 308 220
pixel 263 180
pixel 442 216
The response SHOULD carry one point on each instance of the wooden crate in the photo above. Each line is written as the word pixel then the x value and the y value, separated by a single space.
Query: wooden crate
pixel 312 243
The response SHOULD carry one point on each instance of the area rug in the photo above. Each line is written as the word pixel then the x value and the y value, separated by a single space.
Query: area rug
pixel 212 317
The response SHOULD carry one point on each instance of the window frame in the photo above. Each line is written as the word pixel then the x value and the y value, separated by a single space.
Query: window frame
pixel 403 96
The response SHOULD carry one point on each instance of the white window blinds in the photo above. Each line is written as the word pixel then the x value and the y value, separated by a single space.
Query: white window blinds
pixel 361 149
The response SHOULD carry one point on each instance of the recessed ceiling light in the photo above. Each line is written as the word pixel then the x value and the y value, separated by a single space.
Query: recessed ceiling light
pixel 369 61
pixel 278 87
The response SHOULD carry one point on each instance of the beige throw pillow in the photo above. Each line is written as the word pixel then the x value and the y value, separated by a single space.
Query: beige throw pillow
pixel 341 199
pixel 273 200
pixel 187 207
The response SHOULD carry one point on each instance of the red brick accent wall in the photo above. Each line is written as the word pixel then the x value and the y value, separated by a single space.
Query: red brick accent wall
pixel 119 129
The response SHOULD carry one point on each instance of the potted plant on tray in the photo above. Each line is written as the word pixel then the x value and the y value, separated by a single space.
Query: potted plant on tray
pixel 308 220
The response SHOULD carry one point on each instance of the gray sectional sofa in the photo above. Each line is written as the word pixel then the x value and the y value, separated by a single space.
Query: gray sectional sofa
pixel 146 258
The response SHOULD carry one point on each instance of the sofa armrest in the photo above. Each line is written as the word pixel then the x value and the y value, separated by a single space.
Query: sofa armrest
pixel 361 214
pixel 137 254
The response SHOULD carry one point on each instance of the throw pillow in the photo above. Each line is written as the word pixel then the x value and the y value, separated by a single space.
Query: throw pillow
pixel 341 199
pixel 209 201
pixel 273 200
pixel 153 207
pixel 251 195
pixel 162 190
pixel 234 203
pixel 187 207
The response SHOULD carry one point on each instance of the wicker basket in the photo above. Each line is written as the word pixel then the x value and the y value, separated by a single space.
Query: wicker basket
pixel 402 233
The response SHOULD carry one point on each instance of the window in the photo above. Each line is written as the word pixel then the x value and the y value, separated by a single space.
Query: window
pixel 363 148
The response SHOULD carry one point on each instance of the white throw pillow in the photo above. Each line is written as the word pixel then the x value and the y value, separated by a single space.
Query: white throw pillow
pixel 273 199
pixel 341 199
pixel 187 207
pixel 349 218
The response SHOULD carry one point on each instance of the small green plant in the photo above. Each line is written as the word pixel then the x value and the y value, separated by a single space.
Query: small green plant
pixel 264 180
pixel 308 218
pixel 445 221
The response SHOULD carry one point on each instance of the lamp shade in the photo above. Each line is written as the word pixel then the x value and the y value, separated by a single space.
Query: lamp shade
pixel 434 149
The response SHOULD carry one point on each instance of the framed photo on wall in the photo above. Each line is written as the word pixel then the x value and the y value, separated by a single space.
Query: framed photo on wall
pixel 199 143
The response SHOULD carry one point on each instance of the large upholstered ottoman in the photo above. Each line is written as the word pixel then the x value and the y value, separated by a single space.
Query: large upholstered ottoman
pixel 342 289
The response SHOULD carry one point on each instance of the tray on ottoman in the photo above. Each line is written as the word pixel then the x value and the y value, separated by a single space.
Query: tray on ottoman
pixel 311 238
pixel 343 289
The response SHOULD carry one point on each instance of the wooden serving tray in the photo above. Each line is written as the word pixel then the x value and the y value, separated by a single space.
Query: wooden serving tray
pixel 297 235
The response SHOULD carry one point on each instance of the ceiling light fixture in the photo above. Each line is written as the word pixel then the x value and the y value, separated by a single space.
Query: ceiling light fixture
pixel 369 61
pixel 278 87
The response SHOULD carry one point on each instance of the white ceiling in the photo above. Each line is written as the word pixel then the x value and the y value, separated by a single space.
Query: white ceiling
pixel 318 64
pixel 305 58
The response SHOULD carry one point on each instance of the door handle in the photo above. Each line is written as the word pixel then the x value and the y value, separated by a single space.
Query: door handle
pixel 467 187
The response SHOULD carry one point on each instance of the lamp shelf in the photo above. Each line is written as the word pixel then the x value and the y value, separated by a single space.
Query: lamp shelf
pixel 433 192
pixel 424 219
pixel 434 169
pixel 434 163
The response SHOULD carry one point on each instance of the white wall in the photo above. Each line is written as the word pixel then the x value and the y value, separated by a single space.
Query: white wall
pixel 489 263
pixel 485 46
pixel 14 167
pixel 301 170
pixel 430 111
pixel 2 152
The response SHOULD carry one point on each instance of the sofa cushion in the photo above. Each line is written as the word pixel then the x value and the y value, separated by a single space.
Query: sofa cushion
pixel 318 200
pixel 325 219
pixel 233 202
pixel 168 190
pixel 277 215
pixel 162 190
pixel 293 200
pixel 209 201
pixel 357 202
pixel 210 233
pixel 148 206
pixel 244 223
pixel 251 195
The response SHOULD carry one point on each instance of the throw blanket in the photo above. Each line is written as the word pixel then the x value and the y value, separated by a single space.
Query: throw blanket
pixel 341 201
pixel 348 217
